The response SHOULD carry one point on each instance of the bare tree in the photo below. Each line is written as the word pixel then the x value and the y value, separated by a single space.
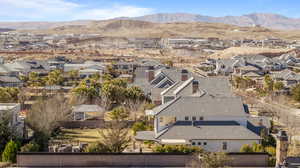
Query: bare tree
pixel 45 115
pixel 115 138
pixel 209 160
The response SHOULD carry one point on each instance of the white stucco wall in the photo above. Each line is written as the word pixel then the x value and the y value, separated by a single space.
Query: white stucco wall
pixel 217 145
pixel 242 120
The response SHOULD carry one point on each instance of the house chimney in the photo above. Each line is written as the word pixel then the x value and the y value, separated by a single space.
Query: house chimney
pixel 1 60
pixel 184 75
pixel 195 87
pixel 261 123
pixel 281 147
pixel 150 73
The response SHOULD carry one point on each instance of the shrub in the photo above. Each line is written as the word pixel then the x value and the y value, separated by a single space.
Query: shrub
pixel 257 148
pixel 30 147
pixel 246 148
pixel 139 126
pixel 95 147
pixel 176 149
pixel 270 150
pixel 296 92
pixel 10 152
pixel 278 86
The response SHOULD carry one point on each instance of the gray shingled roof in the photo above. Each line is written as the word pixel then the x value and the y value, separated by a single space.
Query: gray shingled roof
pixel 141 79
pixel 286 75
pixel 217 86
pixel 206 105
pixel 209 132
pixel 145 135
pixel 4 69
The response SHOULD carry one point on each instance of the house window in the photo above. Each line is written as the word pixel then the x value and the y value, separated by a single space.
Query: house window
pixel 204 143
pixel 199 143
pixel 194 118
pixel 193 143
pixel 224 146
pixel 186 118
pixel 201 118
pixel 161 119
pixel 79 116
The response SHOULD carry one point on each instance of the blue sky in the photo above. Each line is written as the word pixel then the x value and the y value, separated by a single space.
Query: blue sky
pixel 63 10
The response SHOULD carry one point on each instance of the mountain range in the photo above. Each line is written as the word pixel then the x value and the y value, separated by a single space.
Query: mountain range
pixel 268 20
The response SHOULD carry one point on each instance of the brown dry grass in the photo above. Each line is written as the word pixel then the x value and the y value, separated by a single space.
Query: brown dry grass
pixel 234 51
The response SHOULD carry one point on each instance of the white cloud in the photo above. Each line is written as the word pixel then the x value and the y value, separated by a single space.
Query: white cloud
pixel 35 10
pixel 113 12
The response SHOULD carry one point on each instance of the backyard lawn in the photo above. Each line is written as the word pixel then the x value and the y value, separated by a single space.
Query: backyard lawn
pixel 78 135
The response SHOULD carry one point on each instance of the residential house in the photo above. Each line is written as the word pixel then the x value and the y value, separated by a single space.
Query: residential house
pixel 153 80
pixel 88 112
pixel 89 72
pixel 12 111
pixel 288 77
pixel 126 77
pixel 6 70
pixel 202 112
pixel 292 162
pixel 253 65
pixel 86 65
pixel 57 62
pixel 1 60
pixel 86 69
pixel 251 72
pixel 125 67
pixel 226 66
pixel 25 67
pixel 10 81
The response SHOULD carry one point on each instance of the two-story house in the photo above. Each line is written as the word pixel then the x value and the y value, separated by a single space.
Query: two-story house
pixel 12 111
pixel 202 112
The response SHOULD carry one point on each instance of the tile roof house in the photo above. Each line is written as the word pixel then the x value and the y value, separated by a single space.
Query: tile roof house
pixel 201 112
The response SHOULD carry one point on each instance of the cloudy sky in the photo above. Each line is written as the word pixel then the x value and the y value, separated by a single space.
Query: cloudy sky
pixel 63 10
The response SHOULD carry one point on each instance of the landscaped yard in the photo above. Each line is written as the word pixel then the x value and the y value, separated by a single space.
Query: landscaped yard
pixel 79 135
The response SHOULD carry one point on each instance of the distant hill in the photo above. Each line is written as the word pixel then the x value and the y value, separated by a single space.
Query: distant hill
pixel 268 20
pixel 5 30
pixel 41 25
pixel 136 28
